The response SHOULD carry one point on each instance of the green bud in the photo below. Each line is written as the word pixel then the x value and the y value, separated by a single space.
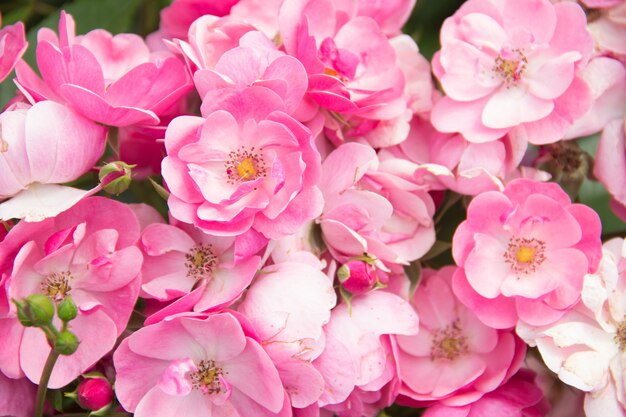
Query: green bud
pixel 66 343
pixel 116 177
pixel 343 273
pixel 66 310
pixel 21 314
pixel 39 309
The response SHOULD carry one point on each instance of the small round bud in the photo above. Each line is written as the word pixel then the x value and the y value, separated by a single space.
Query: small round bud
pixel 94 393
pixel 66 343
pixel 357 277
pixel 67 310
pixel 39 309
pixel 116 177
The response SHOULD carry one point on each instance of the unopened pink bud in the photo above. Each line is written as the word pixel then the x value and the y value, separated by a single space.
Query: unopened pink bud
pixel 94 393
pixel 357 277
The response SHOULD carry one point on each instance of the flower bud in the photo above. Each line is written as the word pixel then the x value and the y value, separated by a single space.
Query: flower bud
pixel 94 393
pixel 357 277
pixel 115 177
pixel 66 343
pixel 66 310
pixel 39 309
pixel 21 314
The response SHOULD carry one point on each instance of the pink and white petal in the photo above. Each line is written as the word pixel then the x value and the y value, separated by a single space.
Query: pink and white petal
pixel 538 17
pixel 220 335
pixel 509 107
pixel 551 78
pixel 156 403
pixel 41 201
pixel 485 266
pixel 167 340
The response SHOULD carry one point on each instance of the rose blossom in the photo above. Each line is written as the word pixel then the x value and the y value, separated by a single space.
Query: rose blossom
pixel 85 252
pixel 454 358
pixel 610 163
pixel 114 80
pixel 178 16
pixel 196 365
pixel 42 146
pixel 524 253
pixel 512 65
pixel 182 259
pixel 247 165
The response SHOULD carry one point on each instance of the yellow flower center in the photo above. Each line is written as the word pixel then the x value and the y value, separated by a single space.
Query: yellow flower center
pixel 246 169
pixel 206 378
pixel 244 165
pixel 620 335
pixel 524 255
pixel 200 262
pixel 448 343
pixel 57 285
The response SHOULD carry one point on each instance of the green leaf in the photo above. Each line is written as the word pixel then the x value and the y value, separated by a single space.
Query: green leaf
pixel 593 194
pixel 438 248
pixel 161 191
pixel 115 16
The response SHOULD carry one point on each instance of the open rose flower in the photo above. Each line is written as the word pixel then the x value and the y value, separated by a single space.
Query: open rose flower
pixel 247 165
pixel 454 358
pixel 179 260
pixel 524 253
pixel 40 147
pixel 191 365
pixel 512 65
pixel 87 253
pixel 113 80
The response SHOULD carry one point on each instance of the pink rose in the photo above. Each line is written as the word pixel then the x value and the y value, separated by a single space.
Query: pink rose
pixel 524 253
pixel 247 165
pixel 87 252
pixel 512 65
pixel 113 80
pixel 12 46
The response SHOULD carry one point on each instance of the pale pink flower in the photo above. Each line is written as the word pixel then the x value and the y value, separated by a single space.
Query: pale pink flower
pixel 606 78
pixel 288 304
pixel 609 28
pixel 42 146
pixel 524 253
pixel 178 16
pixel 17 397
pixel 454 358
pixel 189 365
pixel 390 16
pixel 372 208
pixel 353 70
pixel 610 162
pixel 359 344
pixel 586 346
pixel 256 61
pixel 248 165
pixel 12 46
pixel 86 252
pixel 512 65
pixel 182 259
pixel 208 39
pixel 519 397
pixel 113 80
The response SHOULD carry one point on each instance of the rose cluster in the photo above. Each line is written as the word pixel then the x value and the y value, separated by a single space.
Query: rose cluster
pixel 308 164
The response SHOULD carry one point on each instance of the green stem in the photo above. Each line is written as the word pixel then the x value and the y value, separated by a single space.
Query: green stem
pixel 43 382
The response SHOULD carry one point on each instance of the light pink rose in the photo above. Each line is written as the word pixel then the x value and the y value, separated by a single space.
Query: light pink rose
pixel 354 71
pixel 182 259
pixel 454 358
pixel 42 146
pixel 359 350
pixel 113 80
pixel 247 165
pixel 256 61
pixel 374 209
pixel 12 46
pixel 189 365
pixel 519 397
pixel 288 304
pixel 610 162
pixel 86 252
pixel 391 16
pixel 512 65
pixel 609 28
pixel 524 253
